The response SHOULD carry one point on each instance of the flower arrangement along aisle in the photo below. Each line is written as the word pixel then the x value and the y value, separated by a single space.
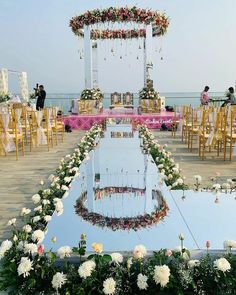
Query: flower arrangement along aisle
pixel 91 94
pixel 26 269
pixel 170 172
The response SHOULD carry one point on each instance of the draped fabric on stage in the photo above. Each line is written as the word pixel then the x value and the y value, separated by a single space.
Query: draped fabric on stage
pixel 4 80
pixel 24 85
pixel 153 121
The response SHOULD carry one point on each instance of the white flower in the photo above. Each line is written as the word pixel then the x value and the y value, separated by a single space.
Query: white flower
pixel 117 257
pixel 5 246
pixel 27 228
pixel 198 178
pixel 222 264
pixel 216 186
pixel 47 192
pixel 181 236
pixel 12 222
pixel 109 286
pixel 161 275
pixel 142 282
pixel 129 262
pixel 66 194
pixel 38 209
pixel 67 179
pixel 15 238
pixel 139 251
pixel 58 280
pixel 30 248
pixel 225 185
pixel 160 166
pixel 193 263
pixel 85 270
pixel 46 202
pixel 25 211
pixel 64 252
pixel 47 218
pixel 230 181
pixel 41 182
pixel 64 187
pixel 180 181
pixel 229 244
pixel 36 218
pixel 25 266
pixel 38 236
pixel 36 198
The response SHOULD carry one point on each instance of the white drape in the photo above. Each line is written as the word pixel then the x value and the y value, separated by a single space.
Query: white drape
pixel 41 137
pixel 4 80
pixel 8 143
pixel 24 85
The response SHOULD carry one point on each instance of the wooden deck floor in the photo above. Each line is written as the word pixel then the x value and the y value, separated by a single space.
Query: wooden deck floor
pixel 19 180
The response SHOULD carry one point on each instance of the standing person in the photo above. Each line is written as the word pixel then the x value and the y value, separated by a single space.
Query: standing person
pixel 41 95
pixel 205 96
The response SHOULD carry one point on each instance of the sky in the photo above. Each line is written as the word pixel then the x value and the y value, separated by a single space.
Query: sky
pixel 199 48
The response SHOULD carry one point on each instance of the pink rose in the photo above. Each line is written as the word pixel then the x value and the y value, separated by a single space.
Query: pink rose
pixel 40 249
pixel 168 253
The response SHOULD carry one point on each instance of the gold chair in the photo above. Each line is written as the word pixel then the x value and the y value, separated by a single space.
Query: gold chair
pixel 58 125
pixel 230 133
pixel 128 100
pixel 16 129
pixel 47 127
pixel 116 100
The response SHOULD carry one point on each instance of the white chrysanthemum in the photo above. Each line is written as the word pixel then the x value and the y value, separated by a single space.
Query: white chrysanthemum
pixel 35 219
pixel 64 251
pixel 30 248
pixel 229 244
pixel 36 198
pixel 58 280
pixel 109 286
pixel 142 282
pixel 194 262
pixel 27 228
pixel 216 186
pixel 25 266
pixel 47 218
pixel 222 264
pixel 180 181
pixel 85 270
pixel 198 178
pixel 5 246
pixel 25 211
pixel 38 236
pixel 140 251
pixel 117 257
pixel 185 254
pixel 12 222
pixel 161 275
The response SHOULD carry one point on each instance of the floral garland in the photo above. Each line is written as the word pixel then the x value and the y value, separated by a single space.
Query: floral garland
pixel 122 223
pixel 91 94
pixel 106 191
pixel 123 14
pixel 169 171
pixel 148 93
pixel 118 34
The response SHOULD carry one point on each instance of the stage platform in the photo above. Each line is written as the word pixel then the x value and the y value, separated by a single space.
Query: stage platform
pixel 153 121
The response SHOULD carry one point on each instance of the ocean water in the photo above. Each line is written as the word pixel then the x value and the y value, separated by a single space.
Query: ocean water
pixel 64 100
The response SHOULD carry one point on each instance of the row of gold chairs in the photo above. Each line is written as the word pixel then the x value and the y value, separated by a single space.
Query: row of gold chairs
pixel 213 128
pixel 150 105
pixel 22 126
